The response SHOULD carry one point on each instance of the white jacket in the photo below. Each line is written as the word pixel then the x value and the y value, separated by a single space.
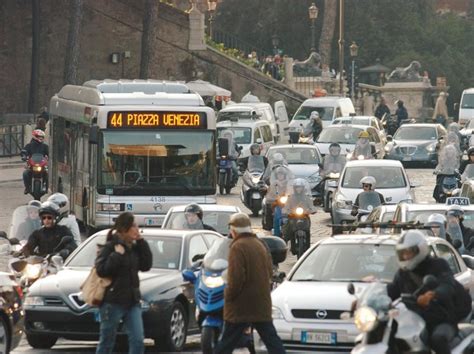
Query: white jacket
pixel 71 223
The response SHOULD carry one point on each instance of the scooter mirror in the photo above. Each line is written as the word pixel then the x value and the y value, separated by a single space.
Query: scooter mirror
pixel 189 275
pixel 58 261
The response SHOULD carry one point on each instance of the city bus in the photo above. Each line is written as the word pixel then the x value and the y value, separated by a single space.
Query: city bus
pixel 141 146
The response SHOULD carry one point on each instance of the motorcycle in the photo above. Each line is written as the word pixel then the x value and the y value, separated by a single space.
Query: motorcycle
pixel 38 164
pixel 227 179
pixel 367 202
pixel 209 284
pixel 448 186
pixel 330 185
pixel 393 327
pixel 252 184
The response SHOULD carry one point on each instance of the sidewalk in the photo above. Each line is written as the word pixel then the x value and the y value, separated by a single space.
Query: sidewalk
pixel 11 169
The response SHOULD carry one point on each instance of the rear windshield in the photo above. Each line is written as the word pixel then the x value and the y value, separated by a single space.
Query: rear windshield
pixel 386 176
pixel 468 101
pixel 303 113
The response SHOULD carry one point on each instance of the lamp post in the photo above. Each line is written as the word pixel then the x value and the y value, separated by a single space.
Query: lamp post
pixel 211 6
pixel 275 44
pixel 313 15
pixel 354 48
pixel 341 47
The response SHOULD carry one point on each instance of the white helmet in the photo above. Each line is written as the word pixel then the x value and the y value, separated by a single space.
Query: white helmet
pixel 278 159
pixel 299 183
pixel 61 201
pixel 314 115
pixel 368 180
pixel 414 241
pixel 436 219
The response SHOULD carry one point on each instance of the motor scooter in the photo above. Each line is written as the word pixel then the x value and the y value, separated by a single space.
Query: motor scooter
pixel 367 202
pixel 227 179
pixel 253 184
pixel 330 185
pixel 38 165
pixel 447 188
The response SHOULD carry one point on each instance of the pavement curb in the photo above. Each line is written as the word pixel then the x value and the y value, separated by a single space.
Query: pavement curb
pixel 11 181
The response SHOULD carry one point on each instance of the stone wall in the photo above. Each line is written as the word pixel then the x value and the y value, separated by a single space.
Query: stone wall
pixel 114 26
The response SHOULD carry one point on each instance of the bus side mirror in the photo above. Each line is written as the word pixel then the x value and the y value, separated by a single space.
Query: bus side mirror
pixel 94 135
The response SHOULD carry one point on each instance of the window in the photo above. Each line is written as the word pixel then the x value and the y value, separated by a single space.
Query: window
pixel 386 177
pixel 210 239
pixel 196 246
pixel 256 134
pixel 445 252
pixel 267 133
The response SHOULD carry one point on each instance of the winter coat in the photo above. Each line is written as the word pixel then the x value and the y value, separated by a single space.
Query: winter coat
pixel 381 110
pixel 35 147
pixel 71 223
pixel 247 294
pixel 123 269
pixel 47 239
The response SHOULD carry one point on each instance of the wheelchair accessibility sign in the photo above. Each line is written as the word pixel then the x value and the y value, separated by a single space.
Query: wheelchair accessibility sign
pixel 129 207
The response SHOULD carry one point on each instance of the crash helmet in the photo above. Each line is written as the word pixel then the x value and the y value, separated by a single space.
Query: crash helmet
pixel 334 149
pixel 38 135
pixel 278 159
pixel 314 115
pixel 368 180
pixel 254 149
pixel 470 151
pixel 454 127
pixel 299 186
pixel 412 249
pixel 61 201
pixel 363 135
pixel 281 171
pixel 455 210
pixel 195 209
pixel 436 219
pixel 49 208
pixel 34 203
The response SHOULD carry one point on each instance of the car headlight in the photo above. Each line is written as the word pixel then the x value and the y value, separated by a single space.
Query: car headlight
pixel 333 175
pixel 255 180
pixel 213 282
pixel 277 314
pixel 341 203
pixel 37 168
pixel 299 211
pixel 283 199
pixel 109 207
pixel 33 271
pixel 365 319
pixel 431 148
pixel 33 301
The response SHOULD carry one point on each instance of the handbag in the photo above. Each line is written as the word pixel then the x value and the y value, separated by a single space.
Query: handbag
pixel 93 288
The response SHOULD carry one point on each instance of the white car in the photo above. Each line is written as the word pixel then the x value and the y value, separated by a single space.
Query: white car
pixel 391 180
pixel 307 307
pixel 215 215
pixel 362 120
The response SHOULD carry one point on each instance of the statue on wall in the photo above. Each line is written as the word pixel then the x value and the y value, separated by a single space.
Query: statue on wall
pixel 309 67
pixel 408 74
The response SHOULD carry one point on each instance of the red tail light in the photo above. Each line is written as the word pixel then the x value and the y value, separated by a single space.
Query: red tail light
pixel 19 291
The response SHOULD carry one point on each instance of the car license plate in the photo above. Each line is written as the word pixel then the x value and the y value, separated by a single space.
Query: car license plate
pixel 151 221
pixel 318 338
pixel 407 158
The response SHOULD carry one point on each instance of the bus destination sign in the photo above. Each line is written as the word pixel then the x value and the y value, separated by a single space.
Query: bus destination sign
pixel 157 120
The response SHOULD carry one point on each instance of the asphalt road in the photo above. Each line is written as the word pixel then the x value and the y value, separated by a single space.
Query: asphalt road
pixel 11 191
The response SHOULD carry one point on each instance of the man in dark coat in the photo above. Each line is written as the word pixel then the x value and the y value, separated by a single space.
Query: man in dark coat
pixel 401 112
pixel 247 294
pixel 382 109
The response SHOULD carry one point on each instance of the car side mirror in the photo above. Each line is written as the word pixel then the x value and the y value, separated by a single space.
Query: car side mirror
pixel 469 260
pixel 389 138
pixel 414 185
pixel 58 261
pixel 351 288
pixel 94 135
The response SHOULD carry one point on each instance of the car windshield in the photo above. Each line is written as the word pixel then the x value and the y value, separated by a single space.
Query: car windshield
pixel 423 215
pixel 303 113
pixel 348 262
pixel 166 252
pixel 241 135
pixel 386 176
pixel 418 133
pixel 388 216
pixel 296 156
pixel 338 134
pixel 468 101
pixel 218 220
pixel 233 115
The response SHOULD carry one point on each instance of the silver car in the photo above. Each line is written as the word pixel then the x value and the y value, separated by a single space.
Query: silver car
pixel 307 307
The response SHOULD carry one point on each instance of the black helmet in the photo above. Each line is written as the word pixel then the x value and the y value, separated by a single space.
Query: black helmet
pixel 195 209
pixel 470 151
pixel 49 208
pixel 254 149
pixel 335 145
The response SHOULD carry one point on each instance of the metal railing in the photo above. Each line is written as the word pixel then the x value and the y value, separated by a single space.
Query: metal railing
pixel 11 139
pixel 231 41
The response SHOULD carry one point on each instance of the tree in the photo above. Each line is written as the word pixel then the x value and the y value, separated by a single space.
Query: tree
pixel 327 31
pixel 35 56
pixel 150 27
pixel 73 47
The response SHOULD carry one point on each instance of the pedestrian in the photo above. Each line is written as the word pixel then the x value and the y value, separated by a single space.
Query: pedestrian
pixel 401 113
pixel 368 104
pixel 121 258
pixel 382 109
pixel 440 113
pixel 247 300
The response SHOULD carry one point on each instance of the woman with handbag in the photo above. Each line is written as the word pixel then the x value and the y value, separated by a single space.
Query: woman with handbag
pixel 122 257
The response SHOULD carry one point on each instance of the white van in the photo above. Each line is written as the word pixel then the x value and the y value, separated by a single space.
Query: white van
pixel 241 111
pixel 329 108
pixel 466 108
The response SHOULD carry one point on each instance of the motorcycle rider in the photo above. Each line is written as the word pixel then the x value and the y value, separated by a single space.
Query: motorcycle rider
pixel 65 218
pixel 334 162
pixel 363 147
pixel 401 113
pixel 32 221
pixel 455 127
pixel 436 306
pixel 316 124
pixel 254 151
pixel 448 165
pixel 469 161
pixel 45 240
pixel 234 152
pixel 193 214
pixel 35 146
pixel 437 222
pixel 368 185
pixel 455 226
pixel 280 176
pixel 276 160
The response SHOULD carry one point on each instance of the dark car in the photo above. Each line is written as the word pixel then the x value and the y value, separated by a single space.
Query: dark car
pixel 11 313
pixel 416 143
pixel 54 308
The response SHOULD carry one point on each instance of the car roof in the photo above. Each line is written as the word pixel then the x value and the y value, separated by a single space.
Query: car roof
pixel 247 106
pixel 245 123
pixel 412 125
pixel 430 206
pixel 327 99
pixel 374 162
pixel 287 146
pixel 359 126
pixel 370 239
pixel 208 207
pixel 155 231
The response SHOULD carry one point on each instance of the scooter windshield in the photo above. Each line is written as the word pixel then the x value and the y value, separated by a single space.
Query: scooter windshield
pixel 468 172
pixel 25 220
pixel 375 296
pixel 216 259
pixel 256 164
pixel 369 200
pixel 37 158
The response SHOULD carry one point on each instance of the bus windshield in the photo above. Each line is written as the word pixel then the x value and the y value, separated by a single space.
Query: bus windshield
pixel 151 162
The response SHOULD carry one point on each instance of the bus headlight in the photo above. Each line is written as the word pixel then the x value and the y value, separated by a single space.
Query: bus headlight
pixel 109 207
pixel 365 319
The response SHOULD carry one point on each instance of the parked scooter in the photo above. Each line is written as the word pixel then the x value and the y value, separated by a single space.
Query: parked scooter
pixel 38 164
pixel 392 327
pixel 253 183
pixel 209 284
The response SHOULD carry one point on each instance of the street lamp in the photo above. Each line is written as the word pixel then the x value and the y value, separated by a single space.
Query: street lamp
pixel 275 43
pixel 313 15
pixel 211 6
pixel 354 49
pixel 341 47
